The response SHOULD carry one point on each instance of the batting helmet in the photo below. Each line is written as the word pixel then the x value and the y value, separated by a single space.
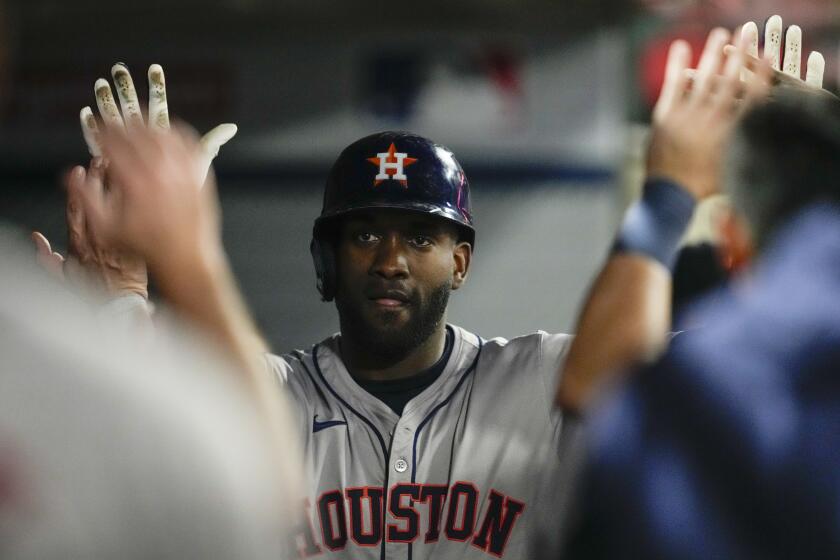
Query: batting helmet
pixel 390 170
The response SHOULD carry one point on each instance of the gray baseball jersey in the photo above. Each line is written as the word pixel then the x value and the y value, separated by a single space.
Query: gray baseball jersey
pixel 475 467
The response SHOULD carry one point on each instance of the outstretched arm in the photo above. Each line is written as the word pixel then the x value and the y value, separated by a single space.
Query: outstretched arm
pixel 91 264
pixel 157 208
pixel 627 313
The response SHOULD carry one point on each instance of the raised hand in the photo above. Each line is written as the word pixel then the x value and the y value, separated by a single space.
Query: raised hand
pixel 92 266
pixel 692 122
pixel 155 206
pixel 91 261
pixel 131 118
pixel 784 52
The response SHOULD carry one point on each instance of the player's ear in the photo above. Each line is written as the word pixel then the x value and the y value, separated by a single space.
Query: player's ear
pixel 736 245
pixel 461 255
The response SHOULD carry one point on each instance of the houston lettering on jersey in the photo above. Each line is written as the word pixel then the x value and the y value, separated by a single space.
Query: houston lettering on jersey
pixel 422 513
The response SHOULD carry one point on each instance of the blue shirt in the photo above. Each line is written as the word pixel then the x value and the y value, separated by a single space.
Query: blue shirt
pixel 729 446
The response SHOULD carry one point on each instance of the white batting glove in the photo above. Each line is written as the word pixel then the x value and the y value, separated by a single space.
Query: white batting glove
pixel 132 117
pixel 790 65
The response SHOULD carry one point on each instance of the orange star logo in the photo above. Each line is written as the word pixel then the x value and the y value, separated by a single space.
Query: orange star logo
pixel 391 165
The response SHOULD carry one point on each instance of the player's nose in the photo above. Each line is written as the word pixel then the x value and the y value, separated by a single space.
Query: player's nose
pixel 390 261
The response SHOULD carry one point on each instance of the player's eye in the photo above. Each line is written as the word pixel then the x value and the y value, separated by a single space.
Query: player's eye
pixel 421 241
pixel 366 237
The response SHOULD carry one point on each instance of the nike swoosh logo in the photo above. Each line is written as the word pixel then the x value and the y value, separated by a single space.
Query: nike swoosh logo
pixel 318 426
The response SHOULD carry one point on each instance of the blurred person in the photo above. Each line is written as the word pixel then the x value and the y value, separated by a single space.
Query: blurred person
pixel 726 446
pixel 114 449
pixel 420 438
pixel 630 320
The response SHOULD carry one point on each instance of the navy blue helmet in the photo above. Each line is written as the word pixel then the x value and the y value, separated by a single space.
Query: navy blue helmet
pixel 390 170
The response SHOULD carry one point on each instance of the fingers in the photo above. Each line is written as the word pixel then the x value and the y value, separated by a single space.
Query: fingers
pixel 815 70
pixel 777 77
pixel 793 51
pixel 216 138
pixel 107 107
pixel 128 155
pixel 725 96
pixel 149 160
pixel 209 146
pixel 718 81
pixel 673 87
pixel 724 90
pixel 51 261
pixel 90 130
pixel 128 96
pixel 749 39
pixel 755 74
pixel 91 195
pixel 199 152
pixel 710 62
pixel 41 244
pixel 773 41
pixel 79 244
pixel 758 86
pixel 158 106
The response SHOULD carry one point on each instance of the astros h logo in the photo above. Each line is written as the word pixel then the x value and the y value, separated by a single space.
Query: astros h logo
pixel 394 161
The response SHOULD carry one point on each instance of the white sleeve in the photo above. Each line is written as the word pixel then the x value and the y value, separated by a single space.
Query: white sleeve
pixel 553 351
pixel 568 430
pixel 129 312
pixel 282 373
pixel 278 368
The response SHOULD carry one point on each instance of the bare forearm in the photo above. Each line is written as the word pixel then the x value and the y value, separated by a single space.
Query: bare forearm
pixel 202 288
pixel 625 319
pixel 627 314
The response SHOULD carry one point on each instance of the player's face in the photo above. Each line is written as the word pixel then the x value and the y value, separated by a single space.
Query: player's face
pixel 395 271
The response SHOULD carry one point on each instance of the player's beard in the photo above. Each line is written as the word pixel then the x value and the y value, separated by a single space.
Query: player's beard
pixel 386 341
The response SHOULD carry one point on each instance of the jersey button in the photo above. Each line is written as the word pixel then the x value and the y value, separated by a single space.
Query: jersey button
pixel 401 465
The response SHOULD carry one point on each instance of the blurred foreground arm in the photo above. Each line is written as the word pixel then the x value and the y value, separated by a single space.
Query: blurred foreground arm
pixel 626 317
pixel 157 209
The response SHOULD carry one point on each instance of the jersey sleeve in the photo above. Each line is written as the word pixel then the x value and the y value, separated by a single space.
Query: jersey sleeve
pixel 568 430
pixel 553 350
pixel 131 314
pixel 283 373
pixel 278 368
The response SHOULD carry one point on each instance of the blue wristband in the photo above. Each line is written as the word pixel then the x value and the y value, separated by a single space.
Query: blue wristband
pixel 654 225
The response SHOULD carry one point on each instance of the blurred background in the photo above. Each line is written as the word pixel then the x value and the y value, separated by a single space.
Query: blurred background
pixel 543 102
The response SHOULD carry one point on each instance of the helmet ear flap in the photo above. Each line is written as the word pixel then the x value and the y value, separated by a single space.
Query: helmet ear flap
pixel 323 256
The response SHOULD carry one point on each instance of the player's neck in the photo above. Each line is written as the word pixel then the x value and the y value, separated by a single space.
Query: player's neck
pixel 363 365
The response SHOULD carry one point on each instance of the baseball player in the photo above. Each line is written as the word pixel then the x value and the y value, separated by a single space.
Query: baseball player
pixel 421 439
pixel 410 449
